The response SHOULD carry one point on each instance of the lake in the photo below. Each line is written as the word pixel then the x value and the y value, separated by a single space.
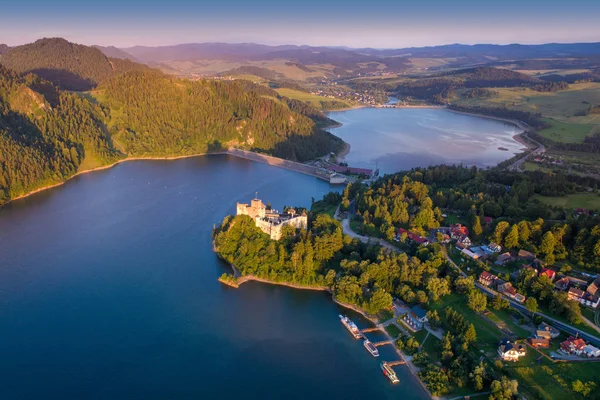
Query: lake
pixel 395 139
pixel 108 290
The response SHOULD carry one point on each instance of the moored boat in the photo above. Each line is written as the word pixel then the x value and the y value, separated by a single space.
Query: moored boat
pixel 389 372
pixel 371 348
pixel 351 326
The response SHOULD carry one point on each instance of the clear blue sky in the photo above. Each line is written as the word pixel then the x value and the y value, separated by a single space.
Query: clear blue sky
pixel 370 23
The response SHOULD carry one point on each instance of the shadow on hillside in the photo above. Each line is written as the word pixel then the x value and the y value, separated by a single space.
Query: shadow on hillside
pixel 64 79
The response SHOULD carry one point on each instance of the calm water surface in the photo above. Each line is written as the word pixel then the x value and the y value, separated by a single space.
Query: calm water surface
pixel 108 290
pixel 402 138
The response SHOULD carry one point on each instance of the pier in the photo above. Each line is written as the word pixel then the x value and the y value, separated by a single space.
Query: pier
pixel 367 330
pixel 394 363
pixel 382 343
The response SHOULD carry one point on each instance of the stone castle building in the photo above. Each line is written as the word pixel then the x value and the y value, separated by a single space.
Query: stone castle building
pixel 271 221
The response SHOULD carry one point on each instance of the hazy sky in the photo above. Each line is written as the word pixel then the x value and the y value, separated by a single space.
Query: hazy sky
pixel 369 23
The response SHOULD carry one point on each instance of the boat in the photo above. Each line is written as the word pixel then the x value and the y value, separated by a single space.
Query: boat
pixel 351 326
pixel 371 348
pixel 389 372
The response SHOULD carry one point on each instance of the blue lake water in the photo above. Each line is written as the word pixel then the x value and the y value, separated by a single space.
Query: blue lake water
pixel 396 139
pixel 108 290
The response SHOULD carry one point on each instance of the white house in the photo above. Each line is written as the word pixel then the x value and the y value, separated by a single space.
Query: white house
pixel 591 351
pixel 510 352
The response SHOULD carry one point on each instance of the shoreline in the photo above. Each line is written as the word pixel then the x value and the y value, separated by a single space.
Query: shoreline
pixel 241 279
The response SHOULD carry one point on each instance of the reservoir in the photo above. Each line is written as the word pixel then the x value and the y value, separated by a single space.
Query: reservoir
pixel 396 139
pixel 108 283
pixel 108 290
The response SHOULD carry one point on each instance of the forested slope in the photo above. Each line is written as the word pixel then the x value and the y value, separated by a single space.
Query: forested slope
pixel 68 65
pixel 153 114
pixel 45 134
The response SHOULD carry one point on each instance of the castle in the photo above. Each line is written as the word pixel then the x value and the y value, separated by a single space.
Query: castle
pixel 271 221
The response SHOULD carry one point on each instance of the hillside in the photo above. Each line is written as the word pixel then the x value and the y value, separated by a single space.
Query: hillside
pixel 113 52
pixel 47 135
pixel 154 114
pixel 3 48
pixel 69 66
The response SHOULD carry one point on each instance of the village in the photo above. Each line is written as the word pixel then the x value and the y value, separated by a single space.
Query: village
pixel 491 258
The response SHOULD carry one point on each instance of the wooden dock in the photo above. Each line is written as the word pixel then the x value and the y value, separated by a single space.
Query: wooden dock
pixel 374 329
pixel 382 343
pixel 394 363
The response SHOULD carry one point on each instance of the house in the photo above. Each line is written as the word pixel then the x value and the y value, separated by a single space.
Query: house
pixel 590 300
pixel 537 342
pixel 496 248
pixel 591 351
pixel 594 288
pixel 479 250
pixel 562 284
pixel 575 293
pixel 270 221
pixel 504 258
pixel 543 334
pixel 573 345
pixel 510 352
pixel 487 279
pixel 458 230
pixel 487 220
pixel 549 273
pixel 413 237
pixel 580 283
pixel 464 242
pixel 553 331
pixel 470 254
pixel 526 255
pixel 508 290
pixel 416 318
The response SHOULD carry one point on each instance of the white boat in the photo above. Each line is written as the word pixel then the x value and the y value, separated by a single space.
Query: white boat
pixel 351 326
pixel 389 372
pixel 371 348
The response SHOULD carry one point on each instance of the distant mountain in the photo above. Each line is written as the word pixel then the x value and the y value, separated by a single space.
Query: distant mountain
pixel 113 52
pixel 69 66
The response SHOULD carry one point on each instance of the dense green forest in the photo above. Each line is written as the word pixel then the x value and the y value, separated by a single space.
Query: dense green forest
pixel 45 134
pixel 48 135
pixel 152 114
pixel 68 65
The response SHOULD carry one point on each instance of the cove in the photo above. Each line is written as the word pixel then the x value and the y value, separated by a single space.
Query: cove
pixel 108 289
pixel 395 139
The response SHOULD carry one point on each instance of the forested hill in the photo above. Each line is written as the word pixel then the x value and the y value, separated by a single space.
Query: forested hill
pixel 45 134
pixel 3 48
pixel 155 114
pixel 48 135
pixel 69 66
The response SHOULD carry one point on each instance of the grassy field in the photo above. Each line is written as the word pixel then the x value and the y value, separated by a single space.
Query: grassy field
pixel 580 200
pixel 311 99
pixel 566 132
pixel 393 330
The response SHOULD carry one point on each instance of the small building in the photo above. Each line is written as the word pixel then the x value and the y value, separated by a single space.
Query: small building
pixel 496 248
pixel 594 288
pixel 575 293
pixel 458 230
pixel 548 273
pixel 470 254
pixel 573 346
pixel 580 283
pixel 526 255
pixel 413 237
pixel 510 351
pixel 487 279
pixel 504 258
pixel 553 331
pixel 539 342
pixel 543 334
pixel 416 318
pixel 591 351
pixel 562 284
pixel 508 290
pixel 464 242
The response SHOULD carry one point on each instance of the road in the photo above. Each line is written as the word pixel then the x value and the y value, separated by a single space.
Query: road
pixel 516 166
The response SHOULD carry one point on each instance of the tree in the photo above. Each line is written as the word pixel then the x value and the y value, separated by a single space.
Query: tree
pixel 532 305
pixel 437 287
pixel 547 244
pixel 504 389
pixel 501 228
pixel 499 303
pixel 477 301
pixel 477 229
pixel 524 232
pixel 512 238
pixel 381 300
pixel 433 319
pixel 583 388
